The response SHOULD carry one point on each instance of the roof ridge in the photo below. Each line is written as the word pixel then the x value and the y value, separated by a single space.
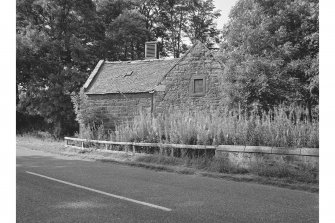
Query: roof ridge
pixel 140 61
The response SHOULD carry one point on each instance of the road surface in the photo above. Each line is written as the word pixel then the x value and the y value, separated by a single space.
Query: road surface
pixel 53 188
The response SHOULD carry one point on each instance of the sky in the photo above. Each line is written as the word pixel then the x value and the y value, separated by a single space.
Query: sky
pixel 225 7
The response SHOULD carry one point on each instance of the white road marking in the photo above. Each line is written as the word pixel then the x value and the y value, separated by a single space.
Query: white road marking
pixel 102 192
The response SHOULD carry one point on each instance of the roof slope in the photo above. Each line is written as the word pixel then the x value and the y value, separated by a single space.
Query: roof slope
pixel 127 76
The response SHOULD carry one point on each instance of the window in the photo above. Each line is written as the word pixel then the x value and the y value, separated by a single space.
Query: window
pixel 198 86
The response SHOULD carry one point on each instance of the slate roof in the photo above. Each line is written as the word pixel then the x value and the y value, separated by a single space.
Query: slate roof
pixel 127 76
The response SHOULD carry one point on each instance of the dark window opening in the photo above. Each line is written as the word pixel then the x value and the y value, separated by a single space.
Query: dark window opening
pixel 198 86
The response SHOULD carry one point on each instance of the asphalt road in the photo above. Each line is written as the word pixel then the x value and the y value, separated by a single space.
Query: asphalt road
pixel 52 188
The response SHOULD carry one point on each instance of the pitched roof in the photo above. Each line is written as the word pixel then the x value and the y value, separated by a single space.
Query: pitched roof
pixel 127 76
pixel 135 76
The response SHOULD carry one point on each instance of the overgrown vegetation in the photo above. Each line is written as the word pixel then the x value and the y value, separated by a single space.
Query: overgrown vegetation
pixel 90 119
pixel 289 172
pixel 280 127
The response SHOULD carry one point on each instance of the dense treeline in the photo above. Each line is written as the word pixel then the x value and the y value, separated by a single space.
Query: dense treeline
pixel 270 49
pixel 272 54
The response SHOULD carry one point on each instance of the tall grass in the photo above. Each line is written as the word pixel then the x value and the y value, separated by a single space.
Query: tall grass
pixel 281 127
pixel 272 168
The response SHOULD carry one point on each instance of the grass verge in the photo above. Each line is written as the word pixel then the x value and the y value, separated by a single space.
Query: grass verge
pixel 286 172
pixel 40 142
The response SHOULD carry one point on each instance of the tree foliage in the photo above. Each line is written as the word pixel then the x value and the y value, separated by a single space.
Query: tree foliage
pixel 126 36
pixel 200 24
pixel 54 52
pixel 194 19
pixel 272 51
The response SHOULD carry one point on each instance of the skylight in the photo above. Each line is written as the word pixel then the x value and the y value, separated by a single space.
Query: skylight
pixel 128 73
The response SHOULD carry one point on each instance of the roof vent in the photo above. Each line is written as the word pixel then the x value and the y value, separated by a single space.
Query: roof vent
pixel 128 74
pixel 151 50
pixel 213 46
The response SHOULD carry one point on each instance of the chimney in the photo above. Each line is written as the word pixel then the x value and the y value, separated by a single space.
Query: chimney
pixel 151 50
pixel 213 46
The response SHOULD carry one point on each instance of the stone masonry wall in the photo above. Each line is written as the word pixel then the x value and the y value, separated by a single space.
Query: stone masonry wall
pixel 120 107
pixel 199 62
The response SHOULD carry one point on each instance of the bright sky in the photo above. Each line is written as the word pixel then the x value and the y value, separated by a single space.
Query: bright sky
pixel 225 7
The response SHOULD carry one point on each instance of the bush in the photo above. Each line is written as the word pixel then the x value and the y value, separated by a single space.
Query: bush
pixel 86 114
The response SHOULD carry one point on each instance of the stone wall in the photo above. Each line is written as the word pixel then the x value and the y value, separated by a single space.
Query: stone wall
pixel 247 160
pixel 116 108
pixel 199 62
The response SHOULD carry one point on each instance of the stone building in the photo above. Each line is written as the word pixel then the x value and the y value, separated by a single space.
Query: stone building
pixel 119 90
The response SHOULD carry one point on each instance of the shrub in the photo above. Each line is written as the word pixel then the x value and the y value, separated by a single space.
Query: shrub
pixel 86 114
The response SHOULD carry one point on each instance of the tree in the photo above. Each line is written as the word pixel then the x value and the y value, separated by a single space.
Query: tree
pixel 168 22
pixel 170 19
pixel 150 9
pixel 109 10
pixel 126 29
pixel 201 22
pixel 272 50
pixel 180 19
pixel 55 41
pixel 127 35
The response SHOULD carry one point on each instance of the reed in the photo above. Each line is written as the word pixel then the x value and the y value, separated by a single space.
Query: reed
pixel 280 127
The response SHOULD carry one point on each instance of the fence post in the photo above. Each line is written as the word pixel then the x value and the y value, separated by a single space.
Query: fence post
pixel 82 145
pixel 106 146
pixel 160 149
pixel 172 152
pixel 182 153
pixel 66 142
pixel 133 150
